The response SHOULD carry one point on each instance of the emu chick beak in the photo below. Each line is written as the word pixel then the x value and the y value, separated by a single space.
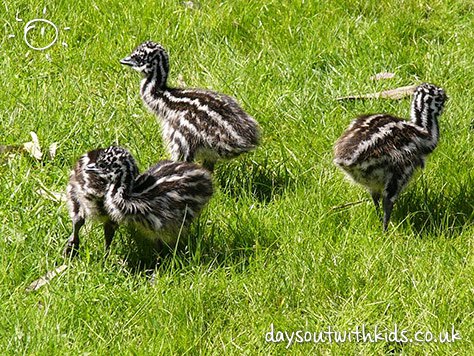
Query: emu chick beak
pixel 128 61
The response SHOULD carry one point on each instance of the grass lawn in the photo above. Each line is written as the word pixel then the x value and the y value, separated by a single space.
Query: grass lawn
pixel 276 247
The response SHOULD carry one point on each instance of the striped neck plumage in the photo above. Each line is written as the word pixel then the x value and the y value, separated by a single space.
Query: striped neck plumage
pixel 424 113
pixel 121 185
pixel 155 82
pixel 121 199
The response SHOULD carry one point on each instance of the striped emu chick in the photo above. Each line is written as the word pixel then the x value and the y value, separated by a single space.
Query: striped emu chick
pixel 196 123
pixel 381 151
pixel 158 204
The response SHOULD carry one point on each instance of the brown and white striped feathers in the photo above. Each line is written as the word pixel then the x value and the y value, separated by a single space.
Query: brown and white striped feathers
pixel 381 151
pixel 105 184
pixel 195 122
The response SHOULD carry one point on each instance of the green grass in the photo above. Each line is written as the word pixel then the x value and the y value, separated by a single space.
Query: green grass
pixel 270 247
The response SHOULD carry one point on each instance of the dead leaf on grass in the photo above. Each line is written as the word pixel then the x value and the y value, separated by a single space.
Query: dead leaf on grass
pixel 382 75
pixel 52 150
pixel 33 147
pixel 191 4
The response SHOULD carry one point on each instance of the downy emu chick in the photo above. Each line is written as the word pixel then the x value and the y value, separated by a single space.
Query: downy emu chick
pixel 158 204
pixel 381 151
pixel 196 123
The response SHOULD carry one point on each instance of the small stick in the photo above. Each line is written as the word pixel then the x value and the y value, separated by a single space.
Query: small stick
pixel 397 93
pixel 40 282
pixel 339 207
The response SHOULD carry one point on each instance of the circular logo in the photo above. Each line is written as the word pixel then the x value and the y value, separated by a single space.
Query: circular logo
pixel 31 25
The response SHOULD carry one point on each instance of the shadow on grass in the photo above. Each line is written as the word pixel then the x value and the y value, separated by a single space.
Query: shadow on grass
pixel 203 246
pixel 263 180
pixel 447 211
pixel 238 178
